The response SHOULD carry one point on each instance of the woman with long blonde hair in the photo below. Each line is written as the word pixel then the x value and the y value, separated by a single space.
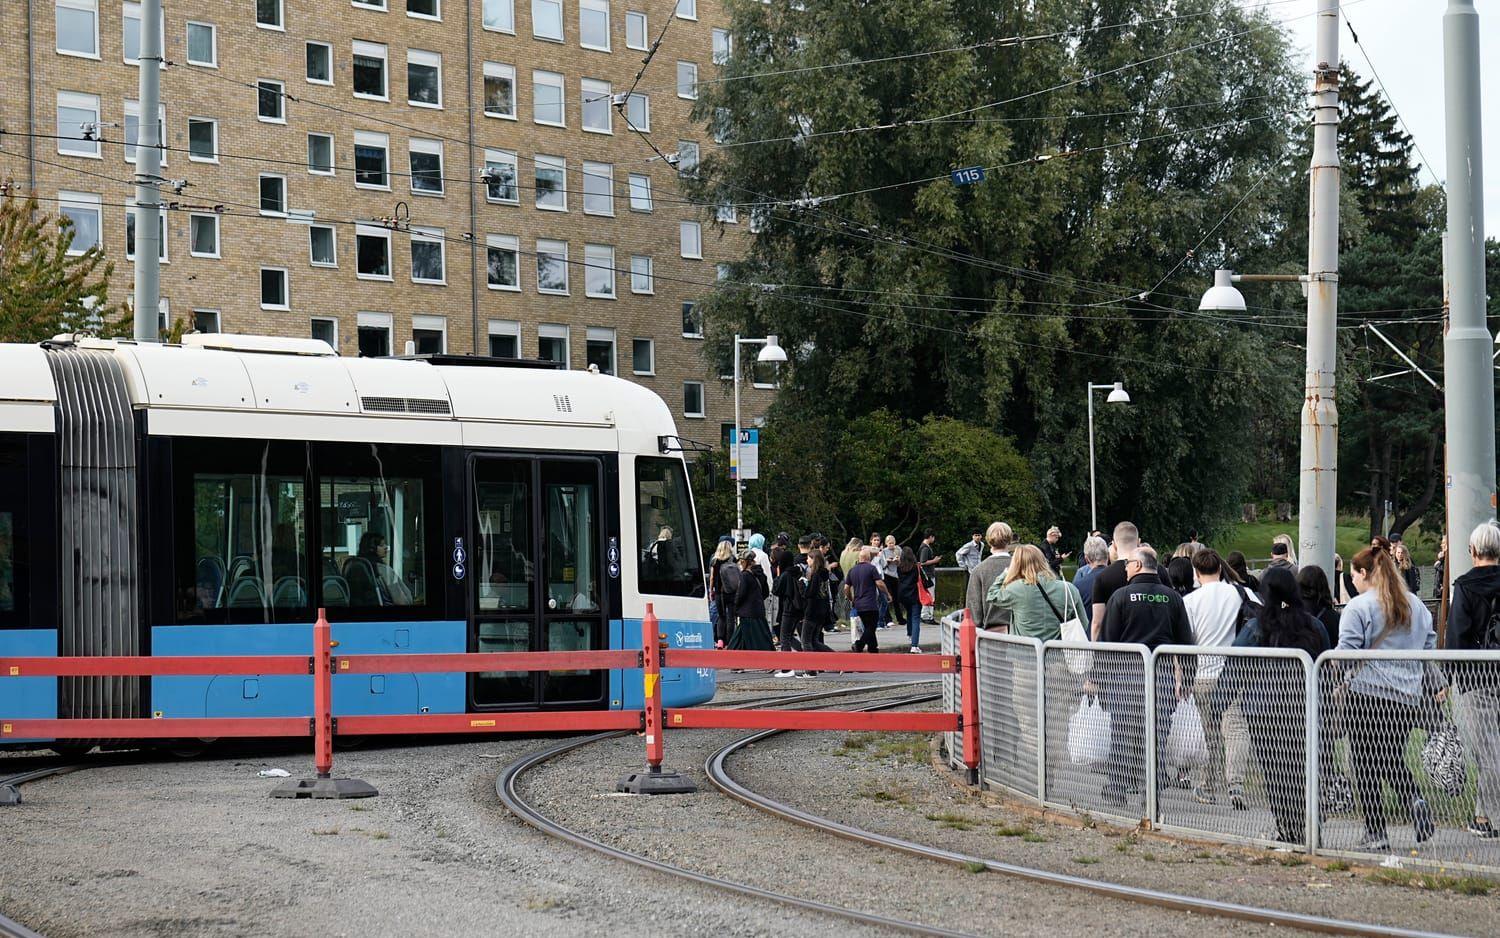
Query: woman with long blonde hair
pixel 1038 602
pixel 723 620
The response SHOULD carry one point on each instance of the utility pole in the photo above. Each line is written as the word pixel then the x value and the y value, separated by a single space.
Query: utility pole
pixel 148 177
pixel 1469 375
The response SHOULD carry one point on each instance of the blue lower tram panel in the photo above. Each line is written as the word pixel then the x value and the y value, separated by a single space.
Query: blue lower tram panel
pixel 31 698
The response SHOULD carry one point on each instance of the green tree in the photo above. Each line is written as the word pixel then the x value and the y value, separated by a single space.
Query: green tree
pixel 44 290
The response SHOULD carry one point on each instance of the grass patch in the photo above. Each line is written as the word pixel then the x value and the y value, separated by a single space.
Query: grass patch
pixel 1434 882
pixel 1203 855
pixel 1338 866
pixel 358 807
pixel 379 835
pixel 325 832
pixel 1031 837
pixel 1123 846
pixel 974 866
pixel 1005 830
pixel 886 797
pixel 1149 857
pixel 952 821
pixel 1086 861
pixel 1291 859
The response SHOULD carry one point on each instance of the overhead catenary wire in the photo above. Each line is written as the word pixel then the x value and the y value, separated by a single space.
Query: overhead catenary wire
pixel 1426 163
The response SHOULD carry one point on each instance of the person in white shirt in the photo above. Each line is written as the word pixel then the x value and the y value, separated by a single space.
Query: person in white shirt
pixel 1214 614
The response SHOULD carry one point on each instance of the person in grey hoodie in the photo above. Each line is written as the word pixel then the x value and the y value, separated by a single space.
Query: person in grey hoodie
pixel 1473 615
pixel 1385 696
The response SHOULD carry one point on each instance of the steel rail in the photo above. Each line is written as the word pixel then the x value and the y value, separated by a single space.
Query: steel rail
pixel 506 787
pixel 721 779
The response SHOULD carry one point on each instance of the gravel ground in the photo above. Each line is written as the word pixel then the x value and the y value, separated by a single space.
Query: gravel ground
pixel 886 784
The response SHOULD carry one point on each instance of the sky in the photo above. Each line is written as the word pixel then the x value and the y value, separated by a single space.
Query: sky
pixel 1404 40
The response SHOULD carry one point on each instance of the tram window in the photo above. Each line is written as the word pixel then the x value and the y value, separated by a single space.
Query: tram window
pixel 572 532
pixel 7 562
pixel 249 545
pixel 505 571
pixel 374 541
pixel 670 564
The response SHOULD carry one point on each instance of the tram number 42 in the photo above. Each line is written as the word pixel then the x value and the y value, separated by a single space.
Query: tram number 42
pixel 967 176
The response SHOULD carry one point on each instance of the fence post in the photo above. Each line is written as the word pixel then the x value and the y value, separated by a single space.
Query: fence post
pixel 968 640
pixel 323 784
pixel 1314 742
pixel 1148 659
pixel 653 781
pixel 1041 722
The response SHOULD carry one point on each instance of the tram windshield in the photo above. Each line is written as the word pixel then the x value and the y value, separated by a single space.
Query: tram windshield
pixel 670 564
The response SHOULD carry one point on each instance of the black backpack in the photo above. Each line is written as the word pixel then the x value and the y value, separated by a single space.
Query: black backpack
pixel 1249 608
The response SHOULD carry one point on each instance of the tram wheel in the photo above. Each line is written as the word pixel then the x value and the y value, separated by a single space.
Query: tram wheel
pixel 189 748
pixel 72 750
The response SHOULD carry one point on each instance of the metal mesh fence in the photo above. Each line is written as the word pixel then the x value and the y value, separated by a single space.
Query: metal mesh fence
pixel 1008 708
pixel 1231 731
pixel 953 743
pixel 1095 705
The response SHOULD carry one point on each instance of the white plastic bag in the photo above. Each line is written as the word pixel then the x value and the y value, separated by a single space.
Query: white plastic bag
pixel 1186 747
pixel 1089 732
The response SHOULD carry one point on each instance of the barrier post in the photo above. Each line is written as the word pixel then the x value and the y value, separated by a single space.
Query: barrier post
pixel 653 781
pixel 968 641
pixel 323 784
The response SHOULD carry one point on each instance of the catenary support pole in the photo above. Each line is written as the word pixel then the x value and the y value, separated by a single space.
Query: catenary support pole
pixel 739 483
pixel 1088 393
pixel 148 178
pixel 1320 417
pixel 1468 371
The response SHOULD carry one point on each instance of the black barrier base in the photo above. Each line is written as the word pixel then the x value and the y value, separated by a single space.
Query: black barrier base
pixel 324 788
pixel 10 794
pixel 655 782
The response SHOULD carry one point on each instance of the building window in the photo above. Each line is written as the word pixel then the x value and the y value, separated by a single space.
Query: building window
pixel 424 9
pixel 499 90
pixel 502 262
pixel 424 78
pixel 692 321
pixel 638 111
pixel 692 399
pixel 593 24
pixel 374 335
pixel 203 139
pixel 270 101
pixel 599 272
pixel 552 343
pixel 203 236
pixel 272 194
pixel 133 130
pixel 548 99
pixel 500 15
pixel 505 338
pixel 161 234
pixel 203 44
pixel 426 167
pixel 322 246
pixel 269 14
pixel 83 211
pixel 429 334
pixel 370 4
pixel 687 80
pixel 75 112
pixel 326 329
pixel 687 159
pixel 643 356
pixel 597 106
pixel 369 71
pixel 727 213
pixel 642 279
pixel 723 46
pixel 501 183
pixel 598 188
pixel 690 236
pixel 371 160
pixel 205 320
pixel 552 267
pixel 547 19
pixel 320 154
pixel 427 256
pixel 551 183
pixel 130 32
pixel 372 253
pixel 720 125
pixel 636 31
pixel 78 28
pixel 687 9
pixel 599 349
pixel 274 288
pixel 640 193
pixel 319 63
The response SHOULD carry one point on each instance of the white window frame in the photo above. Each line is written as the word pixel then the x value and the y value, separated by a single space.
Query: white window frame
pixel 379 5
pixel 686 10
pixel 280 101
pixel 499 70
pixel 562 31
pixel 545 79
pixel 685 229
pixel 333 231
pixel 280 25
pixel 88 202
pixel 385 321
pixel 645 22
pixel 504 157
pixel 727 213
pixel 505 327
pixel 187 43
pixel 375 231
pixel 198 217
pixel 426 148
pixel 634 359
pixel 212 122
pixel 642 266
pixel 435 17
pixel 371 50
pixel 553 330
pixel 693 84
pixel 688 169
pixel 133 109
pixel 549 246
pixel 640 184
pixel 698 320
pixel 327 48
pixel 132 11
pixel 371 138
pixel 594 6
pixel 87 6
pixel 285 195
pixel 548 161
pixel 428 236
pixel 332 161
pixel 504 243
pixel 331 320
pixel 594 258
pixel 504 5
pixel 595 173
pixel 427 323
pixel 645 100
pixel 599 91
pixel 603 334
pixel 218 318
pixel 422 58
pixel 702 410
pixel 81 102
pixel 722 46
pixel 286 288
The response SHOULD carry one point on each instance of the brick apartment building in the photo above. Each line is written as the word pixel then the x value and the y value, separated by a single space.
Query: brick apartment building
pixel 532 221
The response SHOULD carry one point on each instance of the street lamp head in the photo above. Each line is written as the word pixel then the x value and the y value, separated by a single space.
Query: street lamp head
pixel 1222 296
pixel 1118 395
pixel 771 352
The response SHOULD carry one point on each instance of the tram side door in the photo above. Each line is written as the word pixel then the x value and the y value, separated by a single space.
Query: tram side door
pixel 537 582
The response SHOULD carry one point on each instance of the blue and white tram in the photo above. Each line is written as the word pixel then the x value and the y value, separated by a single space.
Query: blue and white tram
pixel 207 499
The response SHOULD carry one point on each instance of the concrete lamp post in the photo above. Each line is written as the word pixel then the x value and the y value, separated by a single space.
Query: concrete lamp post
pixel 772 353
